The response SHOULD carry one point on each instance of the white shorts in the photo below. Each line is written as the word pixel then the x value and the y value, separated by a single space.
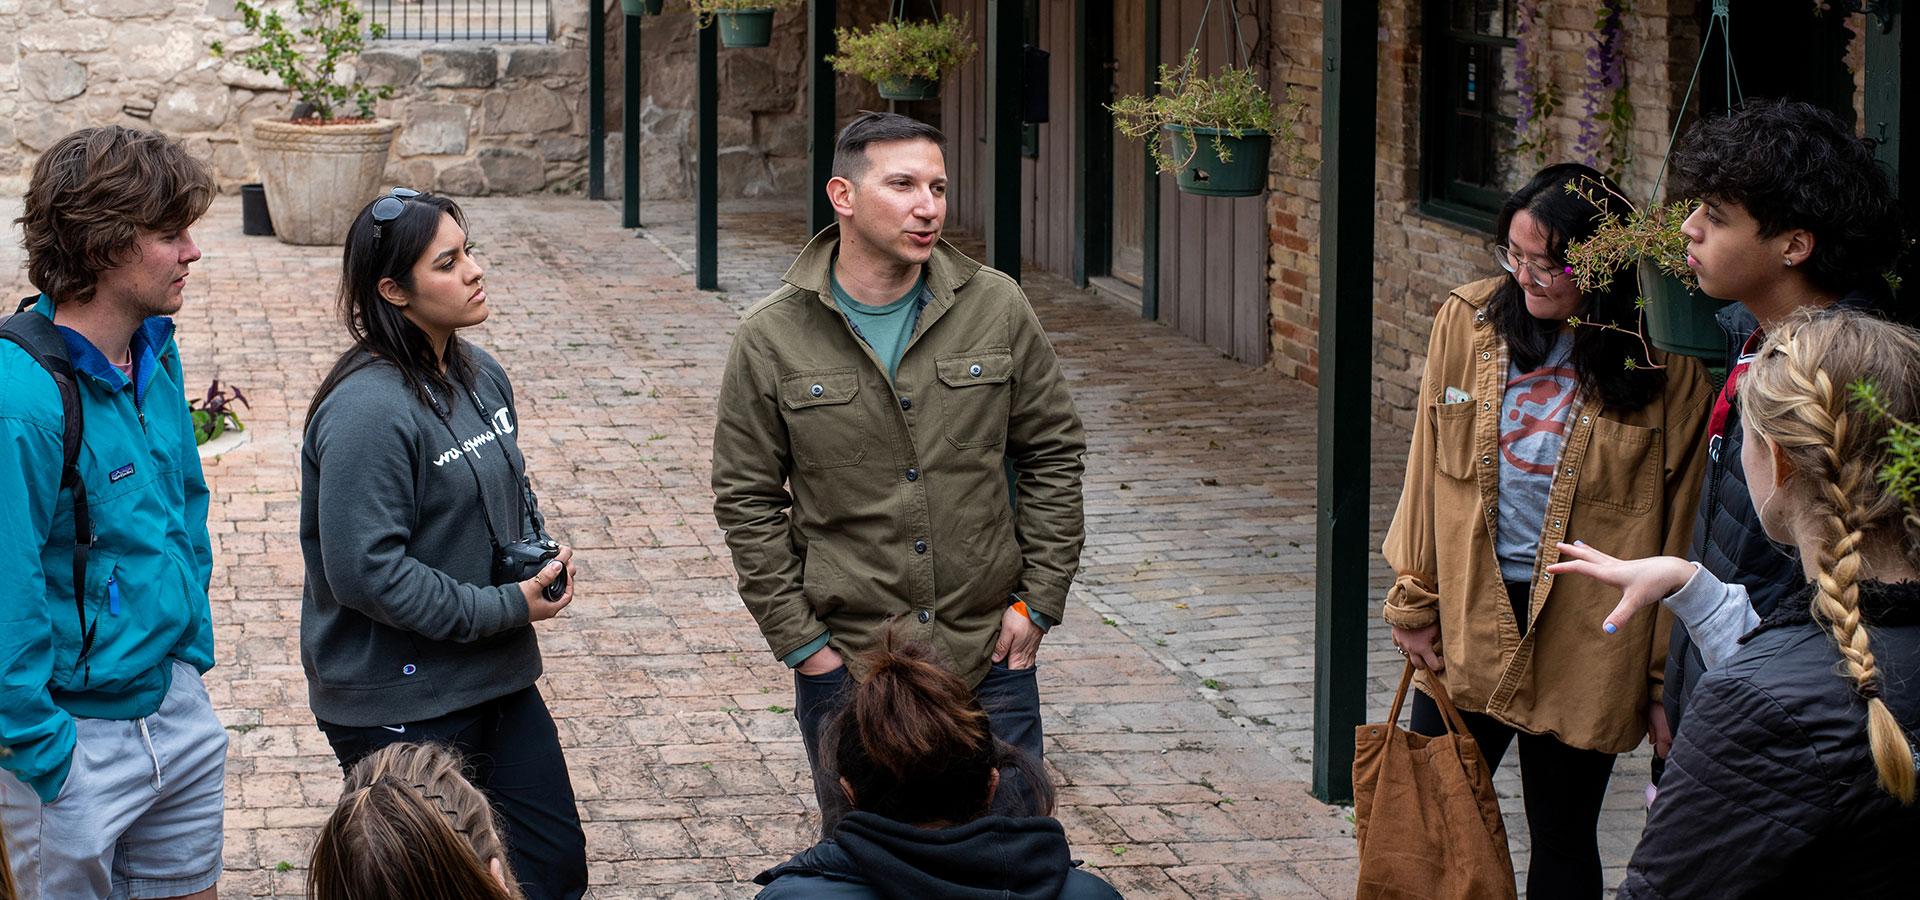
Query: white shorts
pixel 141 812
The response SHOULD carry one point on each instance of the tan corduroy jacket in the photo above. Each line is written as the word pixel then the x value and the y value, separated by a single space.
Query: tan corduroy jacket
pixel 1627 483
pixel 848 500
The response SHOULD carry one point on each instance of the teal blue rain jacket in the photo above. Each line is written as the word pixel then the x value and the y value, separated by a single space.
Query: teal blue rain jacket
pixel 148 572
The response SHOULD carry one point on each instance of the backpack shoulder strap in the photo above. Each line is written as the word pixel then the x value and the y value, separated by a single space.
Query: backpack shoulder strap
pixel 37 335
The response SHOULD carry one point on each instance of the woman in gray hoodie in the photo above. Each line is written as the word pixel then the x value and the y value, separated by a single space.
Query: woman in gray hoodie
pixel 423 543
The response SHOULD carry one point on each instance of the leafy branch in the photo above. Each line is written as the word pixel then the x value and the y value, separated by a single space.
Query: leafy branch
pixel 314 78
pixel 1652 234
pixel 1900 476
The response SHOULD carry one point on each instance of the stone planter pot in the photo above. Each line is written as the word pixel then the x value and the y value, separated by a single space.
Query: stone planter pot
pixel 909 89
pixel 319 176
pixel 745 27
pixel 1245 175
pixel 1680 319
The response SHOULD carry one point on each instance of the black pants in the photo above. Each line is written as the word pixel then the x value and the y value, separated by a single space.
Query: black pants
pixel 1563 788
pixel 1011 698
pixel 513 749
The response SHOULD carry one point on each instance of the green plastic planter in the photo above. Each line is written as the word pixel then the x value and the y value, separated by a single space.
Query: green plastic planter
pixel 642 7
pixel 1680 319
pixel 1244 175
pixel 909 89
pixel 745 27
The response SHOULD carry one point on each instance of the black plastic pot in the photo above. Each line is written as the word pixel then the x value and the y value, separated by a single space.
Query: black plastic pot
pixel 255 218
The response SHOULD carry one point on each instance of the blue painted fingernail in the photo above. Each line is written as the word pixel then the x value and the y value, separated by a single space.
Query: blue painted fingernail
pixel 1610 628
pixel 1579 543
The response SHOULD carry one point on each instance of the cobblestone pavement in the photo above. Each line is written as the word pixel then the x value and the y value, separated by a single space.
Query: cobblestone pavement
pixel 1177 695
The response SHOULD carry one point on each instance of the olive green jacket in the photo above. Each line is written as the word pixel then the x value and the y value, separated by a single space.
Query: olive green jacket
pixel 848 501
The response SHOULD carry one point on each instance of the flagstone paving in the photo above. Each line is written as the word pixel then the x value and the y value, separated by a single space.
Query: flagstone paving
pixel 1176 696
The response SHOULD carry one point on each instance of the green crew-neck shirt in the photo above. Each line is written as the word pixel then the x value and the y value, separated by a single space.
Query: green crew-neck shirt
pixel 886 329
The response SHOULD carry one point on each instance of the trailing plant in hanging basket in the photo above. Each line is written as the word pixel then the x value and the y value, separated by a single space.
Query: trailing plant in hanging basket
pixel 895 54
pixel 708 9
pixel 1229 104
pixel 1647 238
pixel 308 59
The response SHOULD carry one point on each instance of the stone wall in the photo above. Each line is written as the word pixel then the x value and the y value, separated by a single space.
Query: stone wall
pixel 477 117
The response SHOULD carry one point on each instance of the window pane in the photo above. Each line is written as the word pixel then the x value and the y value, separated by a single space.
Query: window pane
pixel 1488 17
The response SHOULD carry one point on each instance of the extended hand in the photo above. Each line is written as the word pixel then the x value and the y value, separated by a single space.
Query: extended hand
pixel 1642 582
pixel 1659 733
pixel 1019 640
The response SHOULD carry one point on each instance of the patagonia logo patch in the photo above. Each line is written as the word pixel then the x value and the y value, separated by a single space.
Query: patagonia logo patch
pixel 120 473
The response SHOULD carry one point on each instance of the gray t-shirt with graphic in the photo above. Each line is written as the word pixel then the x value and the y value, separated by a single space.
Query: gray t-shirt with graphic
pixel 1533 431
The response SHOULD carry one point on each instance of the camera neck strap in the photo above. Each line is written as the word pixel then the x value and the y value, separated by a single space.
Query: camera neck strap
pixel 445 413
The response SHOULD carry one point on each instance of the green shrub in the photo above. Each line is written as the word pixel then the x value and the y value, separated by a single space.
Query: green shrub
pixel 313 76
pixel 1231 100
pixel 897 50
pixel 706 8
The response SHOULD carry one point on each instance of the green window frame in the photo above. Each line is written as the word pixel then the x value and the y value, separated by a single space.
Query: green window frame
pixel 1468 109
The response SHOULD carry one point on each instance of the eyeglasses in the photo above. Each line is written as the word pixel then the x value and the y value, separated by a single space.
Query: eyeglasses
pixel 1541 276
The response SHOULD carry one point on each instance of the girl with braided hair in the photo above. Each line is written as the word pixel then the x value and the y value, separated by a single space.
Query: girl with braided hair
pixel 410 826
pixel 1793 774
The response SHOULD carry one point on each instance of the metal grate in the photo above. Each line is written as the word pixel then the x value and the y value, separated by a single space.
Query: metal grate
pixel 462 20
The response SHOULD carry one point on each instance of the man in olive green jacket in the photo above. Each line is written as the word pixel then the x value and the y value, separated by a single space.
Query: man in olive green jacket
pixel 872 410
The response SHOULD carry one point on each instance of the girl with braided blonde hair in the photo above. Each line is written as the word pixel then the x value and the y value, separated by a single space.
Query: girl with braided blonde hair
pixel 1794 774
pixel 410 826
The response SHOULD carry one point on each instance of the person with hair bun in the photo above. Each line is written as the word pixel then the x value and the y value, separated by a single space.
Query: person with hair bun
pixel 919 767
pixel 1794 773
pixel 410 826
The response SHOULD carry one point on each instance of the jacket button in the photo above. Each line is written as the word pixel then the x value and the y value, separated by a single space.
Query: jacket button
pixel 817 390
pixel 975 370
pixel 906 403
pixel 1485 355
pixel 926 616
pixel 1486 460
pixel 913 474
pixel 919 546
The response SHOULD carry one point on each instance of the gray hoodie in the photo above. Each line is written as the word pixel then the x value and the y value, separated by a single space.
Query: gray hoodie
pixel 399 622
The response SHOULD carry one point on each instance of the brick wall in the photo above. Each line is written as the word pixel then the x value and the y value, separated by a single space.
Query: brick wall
pixel 1418 258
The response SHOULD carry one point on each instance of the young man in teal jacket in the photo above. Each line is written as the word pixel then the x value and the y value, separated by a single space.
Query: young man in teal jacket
pixel 114 764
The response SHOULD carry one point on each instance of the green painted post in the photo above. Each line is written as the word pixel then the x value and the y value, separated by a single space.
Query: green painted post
pixel 1004 66
pixel 1093 152
pixel 630 126
pixel 1890 109
pixel 1150 182
pixel 706 265
pixel 596 101
pixel 821 113
pixel 1341 600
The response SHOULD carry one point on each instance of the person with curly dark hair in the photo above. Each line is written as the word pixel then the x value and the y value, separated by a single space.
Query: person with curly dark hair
pixel 1794 214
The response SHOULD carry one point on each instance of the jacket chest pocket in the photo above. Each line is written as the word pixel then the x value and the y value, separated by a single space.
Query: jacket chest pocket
pixel 977 397
pixel 1453 439
pixel 822 419
pixel 1622 467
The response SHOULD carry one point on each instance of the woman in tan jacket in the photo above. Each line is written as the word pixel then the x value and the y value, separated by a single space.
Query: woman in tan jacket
pixel 1532 430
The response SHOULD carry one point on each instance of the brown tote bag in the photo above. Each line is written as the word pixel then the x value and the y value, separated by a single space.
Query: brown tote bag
pixel 1424 812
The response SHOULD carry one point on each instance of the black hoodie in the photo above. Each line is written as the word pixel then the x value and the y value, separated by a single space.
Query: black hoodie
pixel 997 857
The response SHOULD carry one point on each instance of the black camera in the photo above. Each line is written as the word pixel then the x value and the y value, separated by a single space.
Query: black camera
pixel 521 560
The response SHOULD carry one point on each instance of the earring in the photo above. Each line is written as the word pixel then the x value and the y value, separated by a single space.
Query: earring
pixel 1789 263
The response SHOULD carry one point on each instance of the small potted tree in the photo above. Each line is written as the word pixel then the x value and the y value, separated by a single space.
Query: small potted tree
pixel 1220 127
pixel 743 23
pixel 325 161
pixel 1678 318
pixel 905 60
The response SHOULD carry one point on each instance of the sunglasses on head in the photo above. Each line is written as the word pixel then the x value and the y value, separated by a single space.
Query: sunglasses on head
pixel 388 208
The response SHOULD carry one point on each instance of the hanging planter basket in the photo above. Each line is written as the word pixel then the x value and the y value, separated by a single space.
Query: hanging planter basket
pixel 909 89
pixel 751 27
pixel 642 7
pixel 904 59
pixel 1243 173
pixel 1680 319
